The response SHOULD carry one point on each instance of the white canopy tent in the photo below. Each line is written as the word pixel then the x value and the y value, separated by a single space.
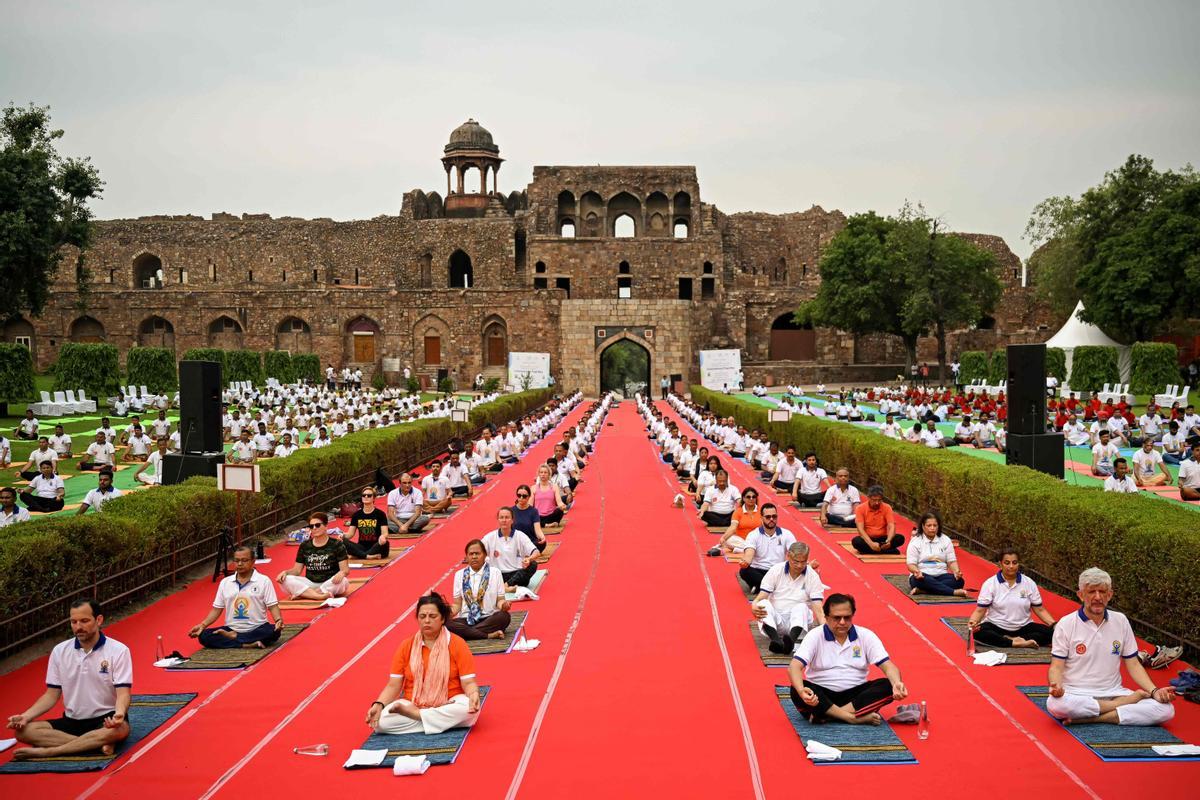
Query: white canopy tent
pixel 1077 333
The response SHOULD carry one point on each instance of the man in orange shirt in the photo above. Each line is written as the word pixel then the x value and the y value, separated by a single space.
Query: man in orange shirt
pixel 876 526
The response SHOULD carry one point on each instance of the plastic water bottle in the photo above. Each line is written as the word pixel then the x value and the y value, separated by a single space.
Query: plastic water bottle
pixel 970 641
pixel 159 650
pixel 923 722
pixel 312 750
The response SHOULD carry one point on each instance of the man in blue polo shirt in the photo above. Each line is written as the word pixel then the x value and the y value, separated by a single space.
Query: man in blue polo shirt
pixel 93 674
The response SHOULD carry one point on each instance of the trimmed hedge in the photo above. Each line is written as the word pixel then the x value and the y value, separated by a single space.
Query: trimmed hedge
pixel 93 367
pixel 306 366
pixel 277 364
pixel 16 373
pixel 152 367
pixel 243 365
pixel 1056 363
pixel 1148 545
pixel 51 556
pixel 998 369
pixel 208 354
pixel 972 366
pixel 1092 366
pixel 1155 365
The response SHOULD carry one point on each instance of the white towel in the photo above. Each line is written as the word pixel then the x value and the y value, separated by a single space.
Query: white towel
pixel 822 752
pixel 410 765
pixel 524 645
pixel 365 758
pixel 524 592
pixel 990 658
pixel 262 561
pixel 169 662
pixel 1176 749
pixel 334 602
pixel 6 743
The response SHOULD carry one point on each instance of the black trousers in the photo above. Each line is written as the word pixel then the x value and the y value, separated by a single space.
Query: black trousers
pixel 936 584
pixel 861 546
pixel 265 633
pixel 496 621
pixel 841 522
pixel 752 576
pixel 993 635
pixel 810 500
pixel 380 547
pixel 715 520
pixel 35 503
pixel 520 577
pixel 553 517
pixel 865 698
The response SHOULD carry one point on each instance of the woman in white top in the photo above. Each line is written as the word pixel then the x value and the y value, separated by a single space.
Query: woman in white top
pixel 720 500
pixel 1007 602
pixel 706 479
pixel 933 567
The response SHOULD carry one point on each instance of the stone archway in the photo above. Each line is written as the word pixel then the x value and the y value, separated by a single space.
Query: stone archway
pixel 625 366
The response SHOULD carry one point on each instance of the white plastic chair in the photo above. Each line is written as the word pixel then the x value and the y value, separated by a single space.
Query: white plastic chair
pixel 46 408
pixel 85 405
pixel 72 403
pixel 1167 397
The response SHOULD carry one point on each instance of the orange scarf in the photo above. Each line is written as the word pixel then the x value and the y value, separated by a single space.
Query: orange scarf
pixel 429 690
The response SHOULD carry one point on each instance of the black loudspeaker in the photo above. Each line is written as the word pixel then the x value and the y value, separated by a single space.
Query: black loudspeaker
pixel 200 407
pixel 1040 451
pixel 1026 389
pixel 178 467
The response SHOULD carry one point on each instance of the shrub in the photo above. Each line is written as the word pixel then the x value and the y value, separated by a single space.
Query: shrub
pixel 93 367
pixel 378 381
pixel 244 365
pixel 1147 544
pixel 16 374
pixel 277 364
pixel 972 366
pixel 998 371
pixel 152 367
pixel 306 366
pixel 491 385
pixel 1155 365
pixel 1093 366
pixel 413 385
pixel 1056 363
pixel 209 354
pixel 446 385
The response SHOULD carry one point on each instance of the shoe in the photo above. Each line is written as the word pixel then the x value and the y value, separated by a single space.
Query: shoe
pixel 1164 656
pixel 714 552
pixel 1144 657
pixel 908 714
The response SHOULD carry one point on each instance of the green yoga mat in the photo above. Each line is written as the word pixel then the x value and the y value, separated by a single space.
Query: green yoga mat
pixel 146 713
pixel 860 744
pixel 439 748
pixel 238 657
pixel 901 584
pixel 1016 655
pixel 1114 742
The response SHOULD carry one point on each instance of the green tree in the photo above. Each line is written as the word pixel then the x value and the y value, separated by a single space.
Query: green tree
pixel 861 280
pixel 16 375
pixel 43 208
pixel 951 283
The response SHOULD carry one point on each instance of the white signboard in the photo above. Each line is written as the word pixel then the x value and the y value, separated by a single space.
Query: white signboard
pixel 459 415
pixel 238 477
pixel 535 365
pixel 391 364
pixel 721 368
pixel 778 415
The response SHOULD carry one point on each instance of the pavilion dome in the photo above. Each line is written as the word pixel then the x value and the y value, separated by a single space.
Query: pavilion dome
pixel 471 136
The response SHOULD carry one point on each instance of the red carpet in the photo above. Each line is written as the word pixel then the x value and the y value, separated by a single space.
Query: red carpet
pixel 636 703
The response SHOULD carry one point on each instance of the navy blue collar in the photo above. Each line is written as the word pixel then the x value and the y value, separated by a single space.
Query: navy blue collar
pixel 99 642
pixel 829 637
pixel 1000 577
pixel 1083 614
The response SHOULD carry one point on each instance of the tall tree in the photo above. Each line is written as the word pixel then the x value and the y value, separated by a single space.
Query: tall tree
pixel 952 283
pixel 43 207
pixel 860 284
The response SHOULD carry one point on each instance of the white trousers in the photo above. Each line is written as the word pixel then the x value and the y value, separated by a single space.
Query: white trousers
pixel 433 720
pixel 296 585
pixel 736 543
pixel 798 616
pixel 1085 706
pixel 149 480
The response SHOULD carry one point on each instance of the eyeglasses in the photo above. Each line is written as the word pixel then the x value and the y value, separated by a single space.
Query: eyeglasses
pixel 521 495
pixel 839 617
pixel 316 525
pixel 770 516
pixel 368 494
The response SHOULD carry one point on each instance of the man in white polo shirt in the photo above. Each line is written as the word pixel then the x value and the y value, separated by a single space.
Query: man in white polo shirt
pixel 244 597
pixel 514 555
pixel 104 491
pixel 786 470
pixel 93 674
pixel 1120 481
pixel 837 507
pixel 830 667
pixel 789 600
pixel 10 512
pixel 931 436
pixel 1087 651
pixel 435 489
pixel 766 546
pixel 405 506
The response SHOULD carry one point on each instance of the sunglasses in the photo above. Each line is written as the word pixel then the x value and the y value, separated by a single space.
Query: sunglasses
pixel 521 495
pixel 316 525
pixel 839 617
pixel 770 516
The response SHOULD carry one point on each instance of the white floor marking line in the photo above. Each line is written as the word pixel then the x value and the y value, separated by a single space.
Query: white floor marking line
pixel 307 701
pixel 535 729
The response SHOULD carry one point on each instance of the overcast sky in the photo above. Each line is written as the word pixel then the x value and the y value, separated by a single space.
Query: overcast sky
pixel 979 110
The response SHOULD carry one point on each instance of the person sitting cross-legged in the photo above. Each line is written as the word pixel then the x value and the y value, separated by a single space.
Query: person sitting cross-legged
pixel 43 452
pixel 431 687
pixel 95 499
pixel 933 567
pixel 876 525
pixel 367 537
pixel 324 562
pixel 405 507
pixel 1087 651
pixel 99 453
pixel 435 489
pixel 786 470
pixel 1120 481
pixel 1189 475
pixel 789 600
pixel 480 610
pixel 765 547
pixel 809 487
pixel 151 471
pixel 510 552
pixel 747 516
pixel 526 518
pixel 93 675
pixel 46 491
pixel 837 507
pixel 1148 466
pixel 720 500
pixel 1103 455
pixel 245 598
pixel 830 666
pixel 1002 617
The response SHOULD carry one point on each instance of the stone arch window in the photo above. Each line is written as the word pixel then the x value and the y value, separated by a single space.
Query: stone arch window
pixel 567 213
pixel 461 274
pixel 226 333
pixel 781 270
pixel 432 337
pixel 472 179
pixel 986 323
pixel 156 332
pixel 360 339
pixel 624 214
pixel 592 212
pixel 147 272
pixel 623 268
pixel 680 230
pixel 658 212
pixel 566 228
pixel 540 267
pixel 87 330
pixel 19 330
pixel 681 210
pixel 427 271
pixel 624 227
pixel 495 342
pixel 293 335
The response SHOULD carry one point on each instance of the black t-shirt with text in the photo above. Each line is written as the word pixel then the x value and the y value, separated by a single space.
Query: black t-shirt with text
pixel 321 563
pixel 370 525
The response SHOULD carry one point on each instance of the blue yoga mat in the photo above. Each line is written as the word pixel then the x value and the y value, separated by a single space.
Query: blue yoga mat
pixel 860 744
pixel 439 748
pixel 1114 742
pixel 146 713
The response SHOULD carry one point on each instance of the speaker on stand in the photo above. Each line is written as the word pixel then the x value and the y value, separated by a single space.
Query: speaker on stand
pixel 200 428
pixel 1028 442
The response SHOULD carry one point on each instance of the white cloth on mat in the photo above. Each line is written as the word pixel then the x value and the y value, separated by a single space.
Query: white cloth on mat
pixel 365 758
pixel 410 765
pixel 1176 749
pixel 821 752
pixel 990 658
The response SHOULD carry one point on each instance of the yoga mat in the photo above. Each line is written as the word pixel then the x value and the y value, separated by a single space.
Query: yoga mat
pixel 429 526
pixel 768 658
pixel 444 514
pixel 146 713
pixel 535 583
pixel 556 528
pixel 483 647
pixel 439 748
pixel 238 657
pixel 901 584
pixel 873 558
pixel 1016 655
pixel 355 585
pixel 394 553
pixel 550 550
pixel 860 744
pixel 1114 742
